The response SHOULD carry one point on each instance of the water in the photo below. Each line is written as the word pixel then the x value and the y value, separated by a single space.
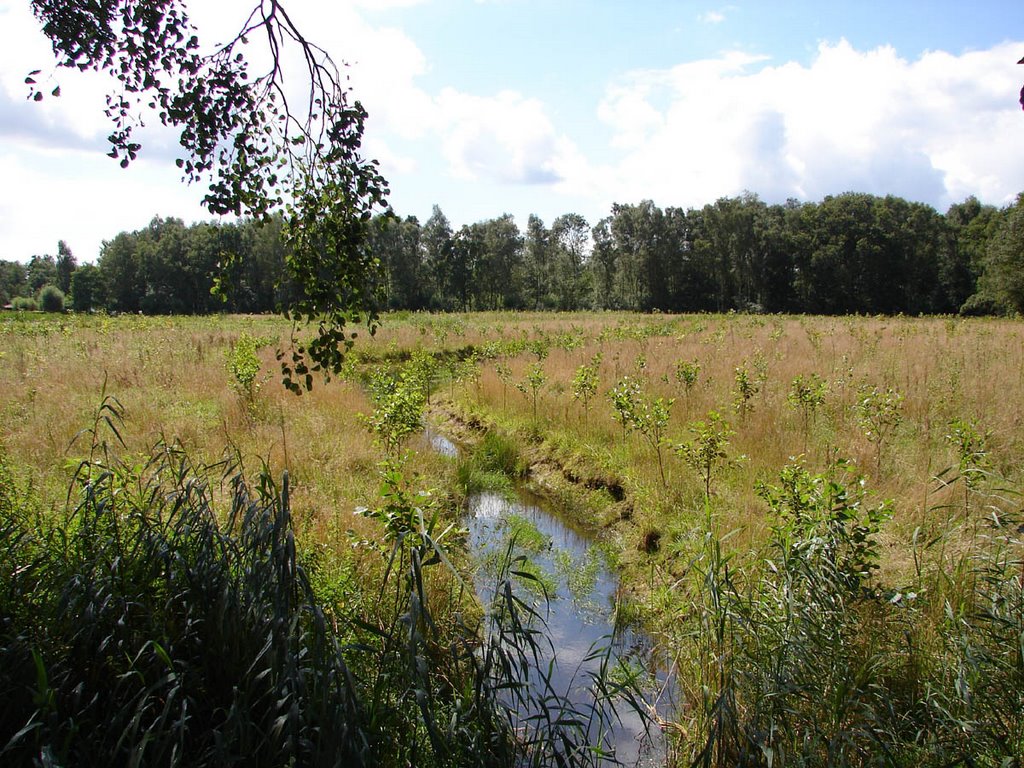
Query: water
pixel 579 609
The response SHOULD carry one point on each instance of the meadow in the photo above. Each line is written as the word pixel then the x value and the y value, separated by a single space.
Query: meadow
pixel 817 520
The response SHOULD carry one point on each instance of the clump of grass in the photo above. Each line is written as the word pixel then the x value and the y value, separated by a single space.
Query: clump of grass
pixel 498 453
pixel 579 573
pixel 154 634
pixel 494 464
pixel 527 535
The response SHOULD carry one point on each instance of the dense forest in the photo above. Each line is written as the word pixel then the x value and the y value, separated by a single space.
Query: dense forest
pixel 851 253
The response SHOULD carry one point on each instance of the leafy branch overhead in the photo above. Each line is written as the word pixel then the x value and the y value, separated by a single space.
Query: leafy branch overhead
pixel 260 146
pixel 1022 89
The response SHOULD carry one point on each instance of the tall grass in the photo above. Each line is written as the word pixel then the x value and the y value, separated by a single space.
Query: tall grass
pixel 493 464
pixel 801 657
pixel 148 632
pixel 168 617
pixel 789 652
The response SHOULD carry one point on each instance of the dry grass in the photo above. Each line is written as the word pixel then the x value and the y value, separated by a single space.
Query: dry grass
pixel 170 375
pixel 943 369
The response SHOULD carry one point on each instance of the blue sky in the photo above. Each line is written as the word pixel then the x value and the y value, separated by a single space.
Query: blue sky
pixel 521 106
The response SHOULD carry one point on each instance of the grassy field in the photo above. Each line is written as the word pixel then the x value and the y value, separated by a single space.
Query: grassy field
pixel 816 518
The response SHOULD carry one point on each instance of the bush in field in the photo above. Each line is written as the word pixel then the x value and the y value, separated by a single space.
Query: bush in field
pixel 399 401
pixel 743 394
pixel 244 366
pixel 971 446
pixel 584 384
pixel 424 368
pixel 504 374
pixel 51 299
pixel 806 394
pixel 687 373
pixel 25 304
pixel 532 384
pixel 789 675
pixel 470 372
pixel 624 397
pixel 879 413
pixel 828 516
pixel 539 346
pixel 650 418
pixel 709 448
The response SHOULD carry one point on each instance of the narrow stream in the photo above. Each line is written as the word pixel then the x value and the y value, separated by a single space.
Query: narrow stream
pixel 580 600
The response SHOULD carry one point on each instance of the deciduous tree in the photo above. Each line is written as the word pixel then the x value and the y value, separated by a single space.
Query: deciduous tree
pixel 243 134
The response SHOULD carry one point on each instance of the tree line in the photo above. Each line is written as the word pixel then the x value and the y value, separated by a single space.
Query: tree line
pixel 849 253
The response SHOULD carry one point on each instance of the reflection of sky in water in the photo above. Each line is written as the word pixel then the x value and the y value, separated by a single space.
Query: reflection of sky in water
pixel 577 624
pixel 440 443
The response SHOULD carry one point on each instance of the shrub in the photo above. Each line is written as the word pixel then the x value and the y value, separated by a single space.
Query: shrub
pixel 398 408
pixel 792 677
pixel 709 448
pixel 25 304
pixel 981 304
pixel 244 366
pixel 51 299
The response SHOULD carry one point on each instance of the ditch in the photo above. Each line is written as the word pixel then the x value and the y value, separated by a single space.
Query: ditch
pixel 575 592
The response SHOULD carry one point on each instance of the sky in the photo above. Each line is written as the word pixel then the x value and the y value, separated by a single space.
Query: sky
pixel 547 107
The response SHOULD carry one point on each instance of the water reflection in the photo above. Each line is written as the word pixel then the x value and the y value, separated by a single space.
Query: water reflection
pixel 440 443
pixel 579 613
pixel 579 605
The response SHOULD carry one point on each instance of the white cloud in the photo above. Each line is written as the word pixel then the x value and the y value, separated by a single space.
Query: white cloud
pixel 716 15
pixel 380 5
pixel 391 161
pixel 506 138
pixel 84 198
pixel 58 183
pixel 935 129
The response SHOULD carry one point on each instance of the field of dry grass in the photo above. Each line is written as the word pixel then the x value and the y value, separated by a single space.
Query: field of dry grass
pixel 928 411
pixel 938 370
pixel 171 377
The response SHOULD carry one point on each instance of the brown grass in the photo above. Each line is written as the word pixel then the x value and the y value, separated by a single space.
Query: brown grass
pixel 170 375
pixel 943 368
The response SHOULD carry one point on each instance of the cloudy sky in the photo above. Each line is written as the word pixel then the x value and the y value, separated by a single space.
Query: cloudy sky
pixel 555 106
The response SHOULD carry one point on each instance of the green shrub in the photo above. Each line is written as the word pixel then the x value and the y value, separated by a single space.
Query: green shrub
pixel 25 304
pixel 51 299
pixel 981 304
pixel 244 365
pixel 398 401
pixel 793 659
